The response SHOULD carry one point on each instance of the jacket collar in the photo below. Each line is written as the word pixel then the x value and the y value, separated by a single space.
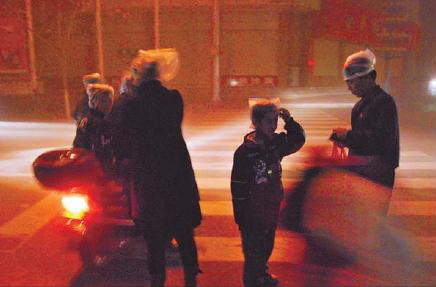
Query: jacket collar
pixel 251 141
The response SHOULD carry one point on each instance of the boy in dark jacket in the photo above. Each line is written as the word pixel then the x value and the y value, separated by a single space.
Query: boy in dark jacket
pixel 95 134
pixel 257 188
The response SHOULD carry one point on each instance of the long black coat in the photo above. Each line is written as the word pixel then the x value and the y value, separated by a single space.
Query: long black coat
pixel 149 134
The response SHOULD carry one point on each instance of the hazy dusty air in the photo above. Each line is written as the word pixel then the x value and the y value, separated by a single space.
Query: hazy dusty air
pixel 230 53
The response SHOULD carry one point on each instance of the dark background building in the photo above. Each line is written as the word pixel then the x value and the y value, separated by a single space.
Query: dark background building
pixel 246 48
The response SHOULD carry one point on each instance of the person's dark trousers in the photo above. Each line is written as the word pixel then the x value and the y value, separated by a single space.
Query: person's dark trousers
pixel 156 256
pixel 257 246
pixel 189 255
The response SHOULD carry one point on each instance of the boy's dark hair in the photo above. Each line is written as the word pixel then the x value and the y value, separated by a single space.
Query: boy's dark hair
pixel 260 109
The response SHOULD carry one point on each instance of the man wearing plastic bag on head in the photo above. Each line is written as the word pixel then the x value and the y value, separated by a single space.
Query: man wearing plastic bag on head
pixel 374 134
pixel 150 141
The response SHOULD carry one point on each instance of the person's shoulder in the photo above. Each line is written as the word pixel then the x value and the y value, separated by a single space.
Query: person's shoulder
pixel 241 152
pixel 174 93
pixel 383 98
pixel 126 100
pixel 247 147
pixel 240 149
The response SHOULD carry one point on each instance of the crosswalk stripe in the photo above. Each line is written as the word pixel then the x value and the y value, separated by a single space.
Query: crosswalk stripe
pixel 427 165
pixel 217 142
pixel 416 183
pixel 396 207
pixel 426 245
pixel 413 153
pixel 224 183
pixel 322 119
pixel 33 218
pixel 217 208
pixel 344 105
pixel 421 208
pixel 228 249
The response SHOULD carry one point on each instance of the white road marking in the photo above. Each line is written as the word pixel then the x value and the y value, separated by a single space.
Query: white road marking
pixel 421 208
pixel 33 218
pixel 228 249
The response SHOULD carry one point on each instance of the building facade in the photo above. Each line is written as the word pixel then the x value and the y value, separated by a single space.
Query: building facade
pixel 248 48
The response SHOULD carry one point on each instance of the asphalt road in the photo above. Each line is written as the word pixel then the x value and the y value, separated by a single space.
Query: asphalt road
pixel 35 252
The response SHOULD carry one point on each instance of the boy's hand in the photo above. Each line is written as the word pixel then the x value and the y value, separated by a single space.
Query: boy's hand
pixel 284 114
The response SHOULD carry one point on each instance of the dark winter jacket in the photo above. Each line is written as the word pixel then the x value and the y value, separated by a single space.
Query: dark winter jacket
pixel 149 135
pixel 256 183
pixel 374 128
pixel 96 136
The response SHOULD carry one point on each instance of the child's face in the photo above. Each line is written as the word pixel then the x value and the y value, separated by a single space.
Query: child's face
pixel 268 125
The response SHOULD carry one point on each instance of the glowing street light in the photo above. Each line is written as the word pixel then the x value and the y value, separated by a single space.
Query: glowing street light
pixel 432 87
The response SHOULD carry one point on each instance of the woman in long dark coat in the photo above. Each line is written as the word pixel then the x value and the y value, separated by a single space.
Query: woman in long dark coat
pixel 150 139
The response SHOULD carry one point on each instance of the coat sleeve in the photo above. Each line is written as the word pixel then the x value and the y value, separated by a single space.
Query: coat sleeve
pixel 292 140
pixel 177 106
pixel 121 120
pixel 82 140
pixel 383 130
pixel 240 186
pixel 81 110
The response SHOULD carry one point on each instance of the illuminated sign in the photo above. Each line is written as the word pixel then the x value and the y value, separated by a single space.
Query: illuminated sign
pixel 346 21
pixel 250 81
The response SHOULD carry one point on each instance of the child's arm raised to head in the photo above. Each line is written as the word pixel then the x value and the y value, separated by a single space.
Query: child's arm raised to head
pixel 294 138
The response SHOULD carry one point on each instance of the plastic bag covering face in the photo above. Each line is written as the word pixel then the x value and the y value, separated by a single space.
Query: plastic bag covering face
pixel 167 60
pixel 359 64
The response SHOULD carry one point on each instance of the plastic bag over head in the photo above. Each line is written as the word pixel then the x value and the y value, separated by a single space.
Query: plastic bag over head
pixel 359 64
pixel 94 78
pixel 96 92
pixel 167 61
